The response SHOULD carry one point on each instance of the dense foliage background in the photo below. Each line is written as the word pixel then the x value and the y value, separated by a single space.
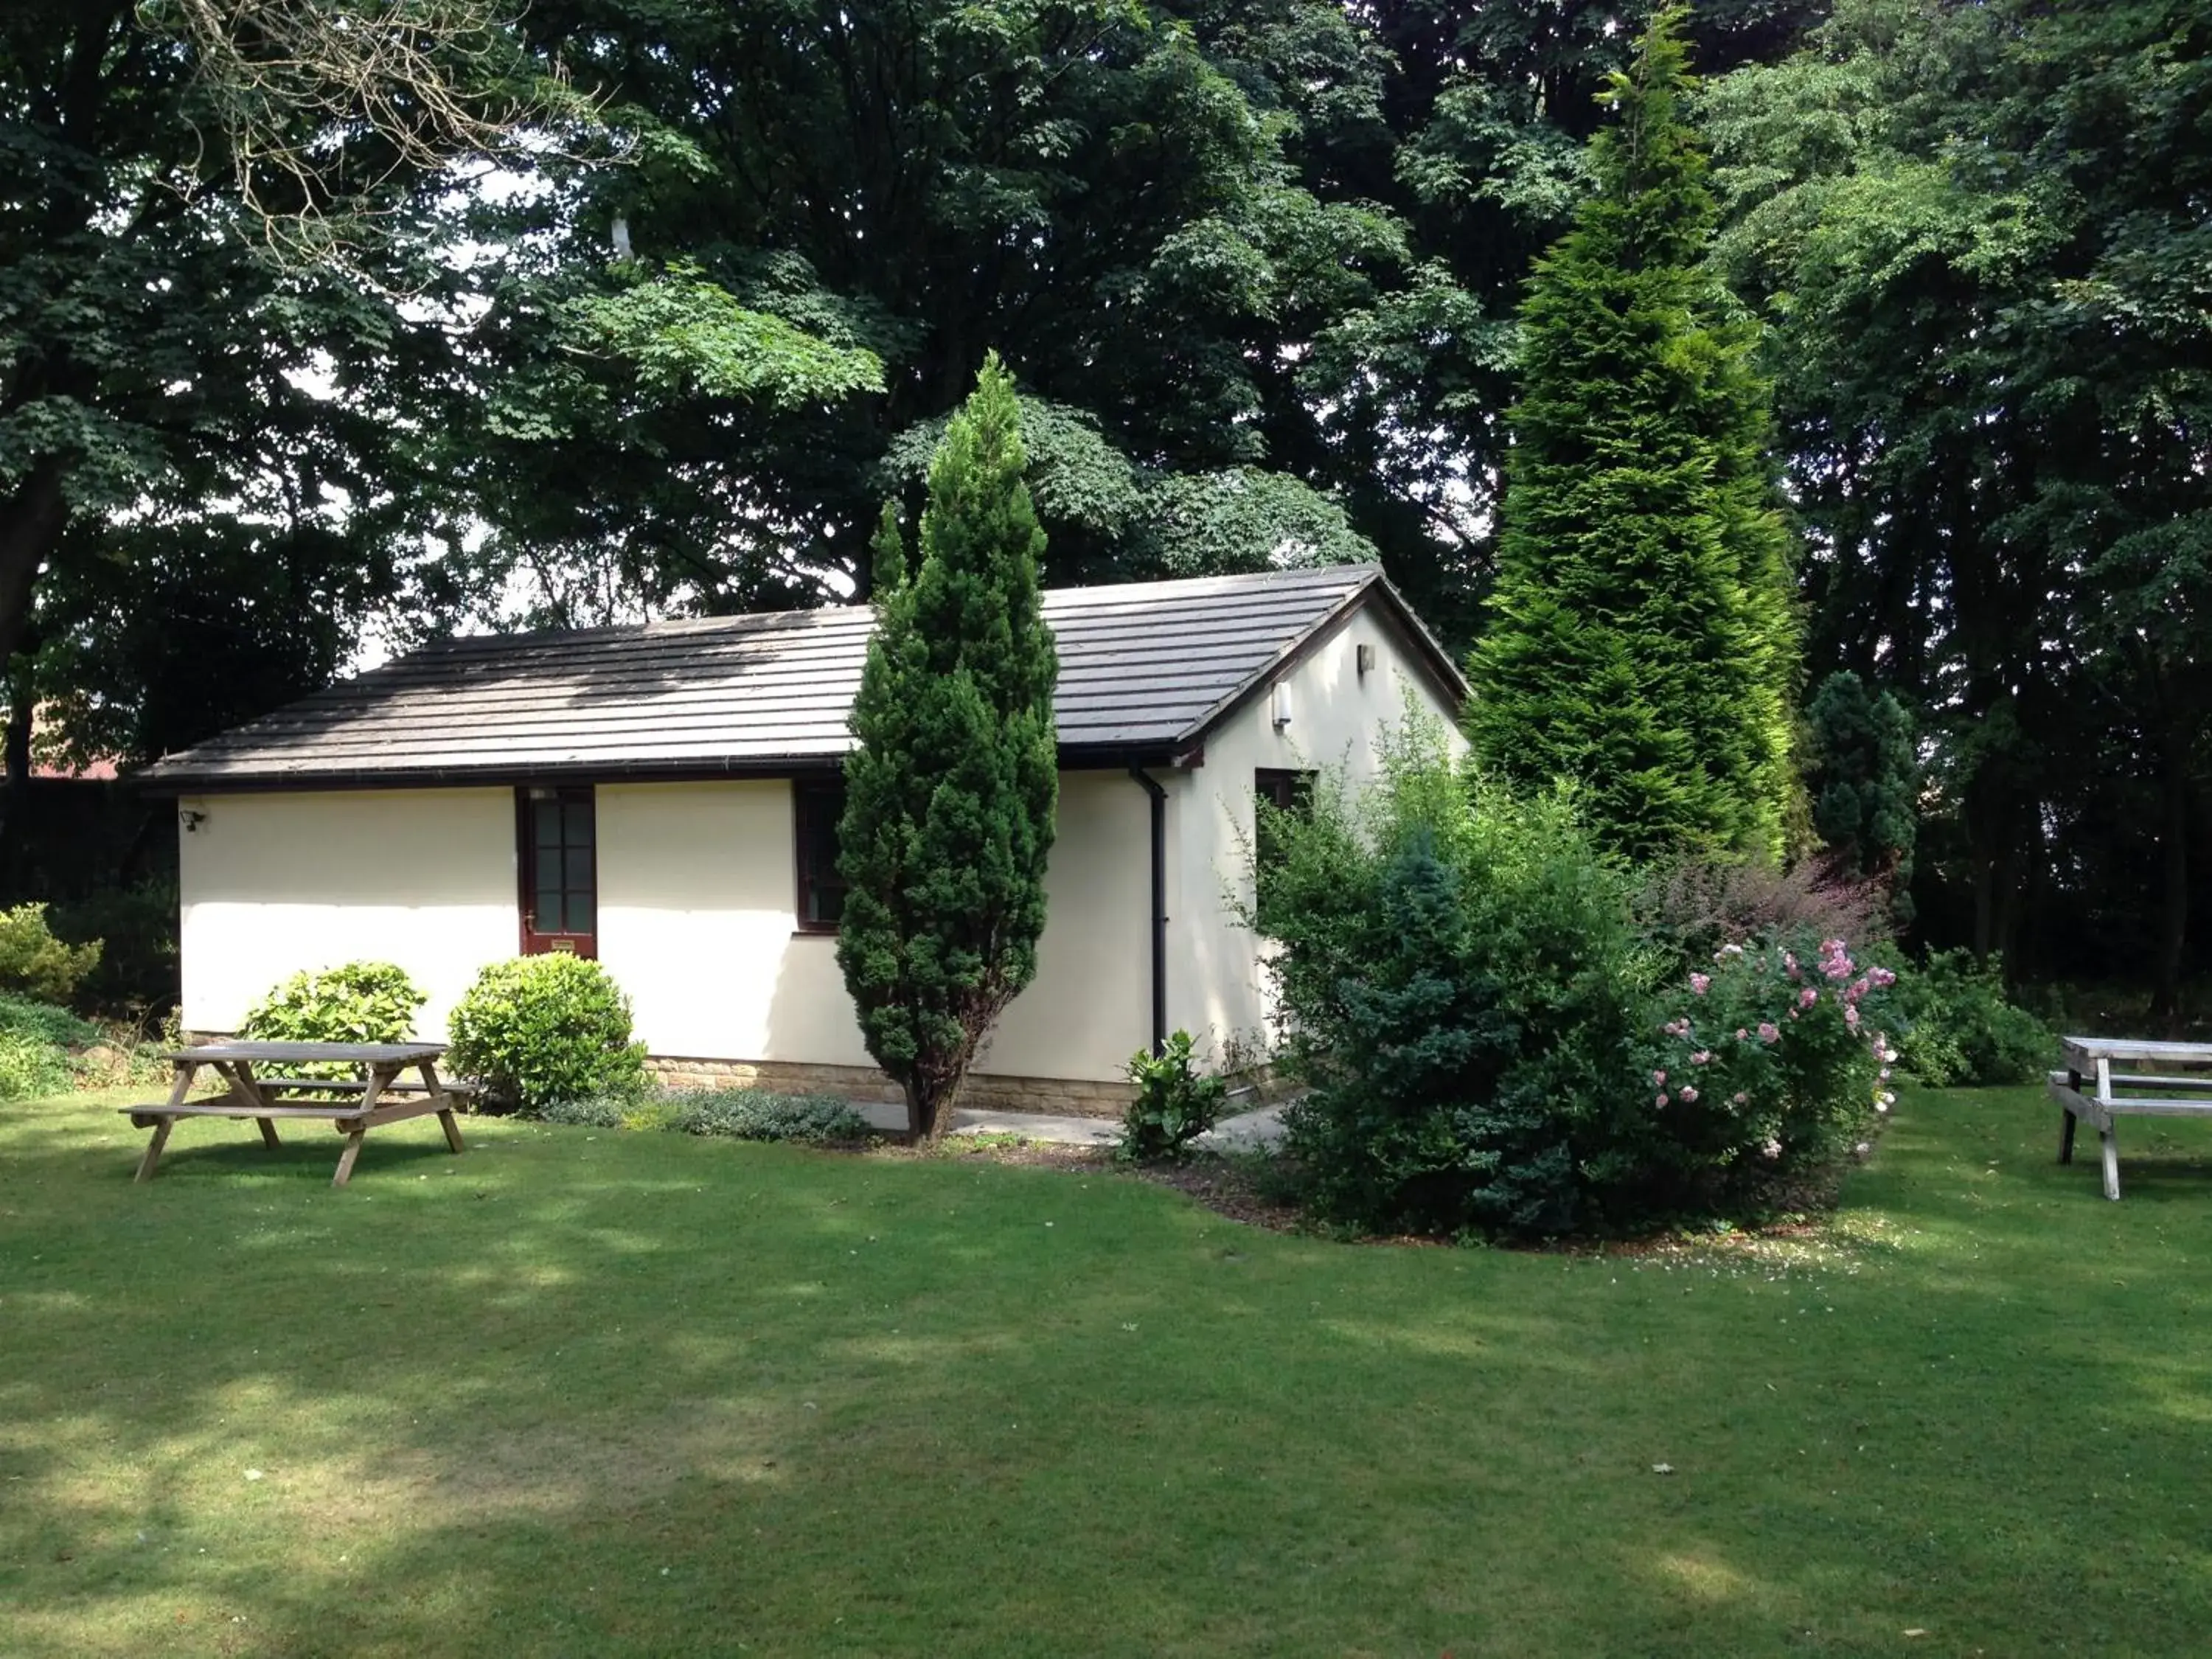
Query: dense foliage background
pixel 685 290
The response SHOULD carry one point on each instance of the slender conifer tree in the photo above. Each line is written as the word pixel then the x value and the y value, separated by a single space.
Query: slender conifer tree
pixel 1642 638
pixel 951 793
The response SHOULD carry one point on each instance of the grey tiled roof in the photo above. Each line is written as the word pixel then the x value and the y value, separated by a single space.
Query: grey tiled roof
pixel 1144 668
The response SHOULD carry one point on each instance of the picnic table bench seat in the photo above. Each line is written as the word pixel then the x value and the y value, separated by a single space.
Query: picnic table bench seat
pixel 2089 1090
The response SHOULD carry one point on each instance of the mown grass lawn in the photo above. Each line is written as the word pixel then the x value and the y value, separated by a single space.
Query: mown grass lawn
pixel 602 1394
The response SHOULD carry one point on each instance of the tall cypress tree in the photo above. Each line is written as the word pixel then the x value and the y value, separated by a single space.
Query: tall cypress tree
pixel 1641 635
pixel 951 795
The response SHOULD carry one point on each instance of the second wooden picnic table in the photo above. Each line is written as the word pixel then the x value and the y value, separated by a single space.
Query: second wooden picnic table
pixel 2109 1078
pixel 375 1096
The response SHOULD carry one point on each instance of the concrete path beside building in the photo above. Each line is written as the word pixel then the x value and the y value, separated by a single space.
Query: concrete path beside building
pixel 1246 1131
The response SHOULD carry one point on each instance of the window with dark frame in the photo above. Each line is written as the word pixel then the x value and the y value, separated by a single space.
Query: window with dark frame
pixel 1280 791
pixel 560 869
pixel 1286 791
pixel 819 805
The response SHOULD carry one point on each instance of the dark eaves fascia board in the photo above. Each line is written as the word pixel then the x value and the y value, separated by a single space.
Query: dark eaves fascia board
pixel 1073 757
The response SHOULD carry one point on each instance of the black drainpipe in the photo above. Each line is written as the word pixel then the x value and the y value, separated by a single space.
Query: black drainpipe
pixel 1159 906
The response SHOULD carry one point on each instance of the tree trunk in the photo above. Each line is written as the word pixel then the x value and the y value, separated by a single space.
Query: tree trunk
pixel 2174 917
pixel 30 527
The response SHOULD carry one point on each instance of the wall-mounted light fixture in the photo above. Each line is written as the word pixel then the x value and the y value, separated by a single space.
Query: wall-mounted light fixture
pixel 188 818
pixel 1279 707
pixel 1365 656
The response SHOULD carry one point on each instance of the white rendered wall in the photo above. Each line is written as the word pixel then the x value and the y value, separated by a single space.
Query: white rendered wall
pixel 1216 983
pixel 276 883
pixel 697 915
pixel 697 922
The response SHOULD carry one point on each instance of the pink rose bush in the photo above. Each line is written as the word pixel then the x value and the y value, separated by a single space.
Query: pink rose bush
pixel 1780 1053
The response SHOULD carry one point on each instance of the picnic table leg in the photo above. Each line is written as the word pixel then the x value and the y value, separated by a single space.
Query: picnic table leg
pixel 2066 1134
pixel 429 1072
pixel 162 1128
pixel 378 1076
pixel 2111 1165
pixel 239 1074
pixel 354 1138
pixel 178 1088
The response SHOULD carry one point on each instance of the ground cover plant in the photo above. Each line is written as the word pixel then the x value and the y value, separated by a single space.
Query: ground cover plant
pixel 744 1113
pixel 582 1391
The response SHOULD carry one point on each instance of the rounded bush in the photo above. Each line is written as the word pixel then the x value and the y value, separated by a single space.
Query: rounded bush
pixel 541 1029
pixel 355 1002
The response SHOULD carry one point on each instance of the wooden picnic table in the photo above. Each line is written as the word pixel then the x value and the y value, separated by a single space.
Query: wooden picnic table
pixel 374 1097
pixel 2106 1078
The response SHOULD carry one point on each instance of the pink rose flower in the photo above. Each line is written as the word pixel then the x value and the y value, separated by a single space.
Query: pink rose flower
pixel 1662 1099
pixel 1660 1079
pixel 1741 1098
pixel 1688 1093
pixel 1702 1057
pixel 1699 983
pixel 1769 1032
pixel 1851 1017
pixel 1741 1035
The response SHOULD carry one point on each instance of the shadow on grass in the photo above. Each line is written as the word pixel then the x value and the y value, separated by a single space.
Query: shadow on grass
pixel 647 1394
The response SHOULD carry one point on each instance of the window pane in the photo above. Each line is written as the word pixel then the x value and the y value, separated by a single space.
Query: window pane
pixel 578 814
pixel 549 910
pixel 580 912
pixel 821 891
pixel 546 815
pixel 576 869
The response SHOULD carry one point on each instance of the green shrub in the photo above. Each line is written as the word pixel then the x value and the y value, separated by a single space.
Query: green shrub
pixel 1957 1026
pixel 1489 1040
pixel 1471 1007
pixel 1176 1103
pixel 34 963
pixel 41 1022
pixel 763 1114
pixel 1776 1059
pixel 357 1002
pixel 37 1045
pixel 545 1029
pixel 29 1068
pixel 137 972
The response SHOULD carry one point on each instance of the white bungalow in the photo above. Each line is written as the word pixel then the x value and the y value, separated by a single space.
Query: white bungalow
pixel 664 798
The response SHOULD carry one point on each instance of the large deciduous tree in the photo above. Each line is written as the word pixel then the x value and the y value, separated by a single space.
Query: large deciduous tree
pixel 1979 233
pixel 951 793
pixel 206 415
pixel 1641 641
